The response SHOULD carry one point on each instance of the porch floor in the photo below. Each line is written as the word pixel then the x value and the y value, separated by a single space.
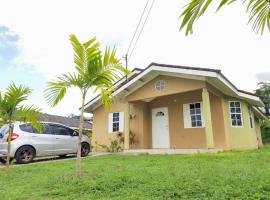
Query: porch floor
pixel 171 151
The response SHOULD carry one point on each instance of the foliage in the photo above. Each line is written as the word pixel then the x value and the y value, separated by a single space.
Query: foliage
pixel 265 130
pixel 264 92
pixel 114 146
pixel 132 138
pixel 265 124
pixel 266 135
pixel 228 175
pixel 12 109
pixel 95 70
pixel 259 13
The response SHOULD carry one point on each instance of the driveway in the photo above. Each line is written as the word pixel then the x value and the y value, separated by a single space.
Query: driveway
pixel 42 159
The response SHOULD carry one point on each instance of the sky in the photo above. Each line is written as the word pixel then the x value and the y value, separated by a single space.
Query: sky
pixel 35 46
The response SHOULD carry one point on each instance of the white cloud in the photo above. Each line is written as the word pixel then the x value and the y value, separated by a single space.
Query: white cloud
pixel 221 40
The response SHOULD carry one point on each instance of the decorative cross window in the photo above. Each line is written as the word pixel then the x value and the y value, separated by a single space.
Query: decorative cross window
pixel 160 85
pixel 236 114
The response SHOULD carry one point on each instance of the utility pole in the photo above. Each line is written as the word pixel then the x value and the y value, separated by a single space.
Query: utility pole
pixel 126 61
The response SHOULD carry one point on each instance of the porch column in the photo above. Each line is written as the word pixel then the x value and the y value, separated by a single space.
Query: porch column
pixel 126 126
pixel 207 119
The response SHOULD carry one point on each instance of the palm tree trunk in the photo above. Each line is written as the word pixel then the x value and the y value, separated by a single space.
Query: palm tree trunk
pixel 78 165
pixel 9 145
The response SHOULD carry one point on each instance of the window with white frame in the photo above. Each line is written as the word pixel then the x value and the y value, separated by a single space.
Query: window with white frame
pixel 193 115
pixel 116 122
pixel 250 112
pixel 236 114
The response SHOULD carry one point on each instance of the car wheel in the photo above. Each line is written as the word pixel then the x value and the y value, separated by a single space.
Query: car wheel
pixel 25 155
pixel 85 149
pixel 4 160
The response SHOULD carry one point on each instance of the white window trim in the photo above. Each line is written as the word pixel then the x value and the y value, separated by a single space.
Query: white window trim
pixel 242 119
pixel 187 116
pixel 110 123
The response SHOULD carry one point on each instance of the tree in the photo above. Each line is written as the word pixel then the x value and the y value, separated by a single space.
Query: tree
pixel 264 92
pixel 94 70
pixel 259 13
pixel 11 109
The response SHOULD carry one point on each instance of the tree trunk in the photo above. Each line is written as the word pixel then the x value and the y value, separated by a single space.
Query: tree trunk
pixel 78 165
pixel 9 145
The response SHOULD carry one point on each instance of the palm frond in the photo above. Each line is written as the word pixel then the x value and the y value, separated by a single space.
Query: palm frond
pixel 259 14
pixel 259 11
pixel 31 115
pixel 11 100
pixel 57 89
pixel 17 94
pixel 84 52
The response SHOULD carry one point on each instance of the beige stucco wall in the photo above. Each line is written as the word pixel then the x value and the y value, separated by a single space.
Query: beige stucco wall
pixel 217 116
pixel 239 137
pixel 100 124
pixel 172 85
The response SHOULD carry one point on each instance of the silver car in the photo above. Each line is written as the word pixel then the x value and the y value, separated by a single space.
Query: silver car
pixel 28 143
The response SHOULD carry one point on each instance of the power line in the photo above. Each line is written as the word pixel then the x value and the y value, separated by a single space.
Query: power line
pixel 142 28
pixel 137 27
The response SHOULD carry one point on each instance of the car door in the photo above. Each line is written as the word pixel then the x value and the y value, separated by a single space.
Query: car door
pixel 65 142
pixel 43 141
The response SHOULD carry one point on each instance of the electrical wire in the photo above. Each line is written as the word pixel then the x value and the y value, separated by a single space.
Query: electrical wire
pixel 135 32
pixel 141 29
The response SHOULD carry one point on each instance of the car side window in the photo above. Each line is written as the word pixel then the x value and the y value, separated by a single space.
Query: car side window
pixel 46 129
pixel 26 128
pixel 60 130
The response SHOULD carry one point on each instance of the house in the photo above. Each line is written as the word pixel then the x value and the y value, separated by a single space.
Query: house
pixel 71 122
pixel 177 107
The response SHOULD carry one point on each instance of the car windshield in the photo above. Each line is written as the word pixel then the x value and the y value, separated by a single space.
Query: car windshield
pixel 3 130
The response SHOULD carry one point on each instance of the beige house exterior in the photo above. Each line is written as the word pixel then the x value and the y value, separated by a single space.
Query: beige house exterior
pixel 176 107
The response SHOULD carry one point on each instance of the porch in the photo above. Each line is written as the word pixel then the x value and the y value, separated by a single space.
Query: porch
pixel 153 135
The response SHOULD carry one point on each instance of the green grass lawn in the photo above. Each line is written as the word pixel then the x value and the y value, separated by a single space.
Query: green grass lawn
pixel 229 175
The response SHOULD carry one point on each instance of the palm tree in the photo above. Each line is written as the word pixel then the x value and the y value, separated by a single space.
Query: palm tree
pixel 93 71
pixel 11 109
pixel 259 13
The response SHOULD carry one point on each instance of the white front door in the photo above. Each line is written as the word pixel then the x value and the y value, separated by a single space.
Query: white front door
pixel 160 128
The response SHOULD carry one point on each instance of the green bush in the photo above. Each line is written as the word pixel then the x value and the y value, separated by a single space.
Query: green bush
pixel 266 135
